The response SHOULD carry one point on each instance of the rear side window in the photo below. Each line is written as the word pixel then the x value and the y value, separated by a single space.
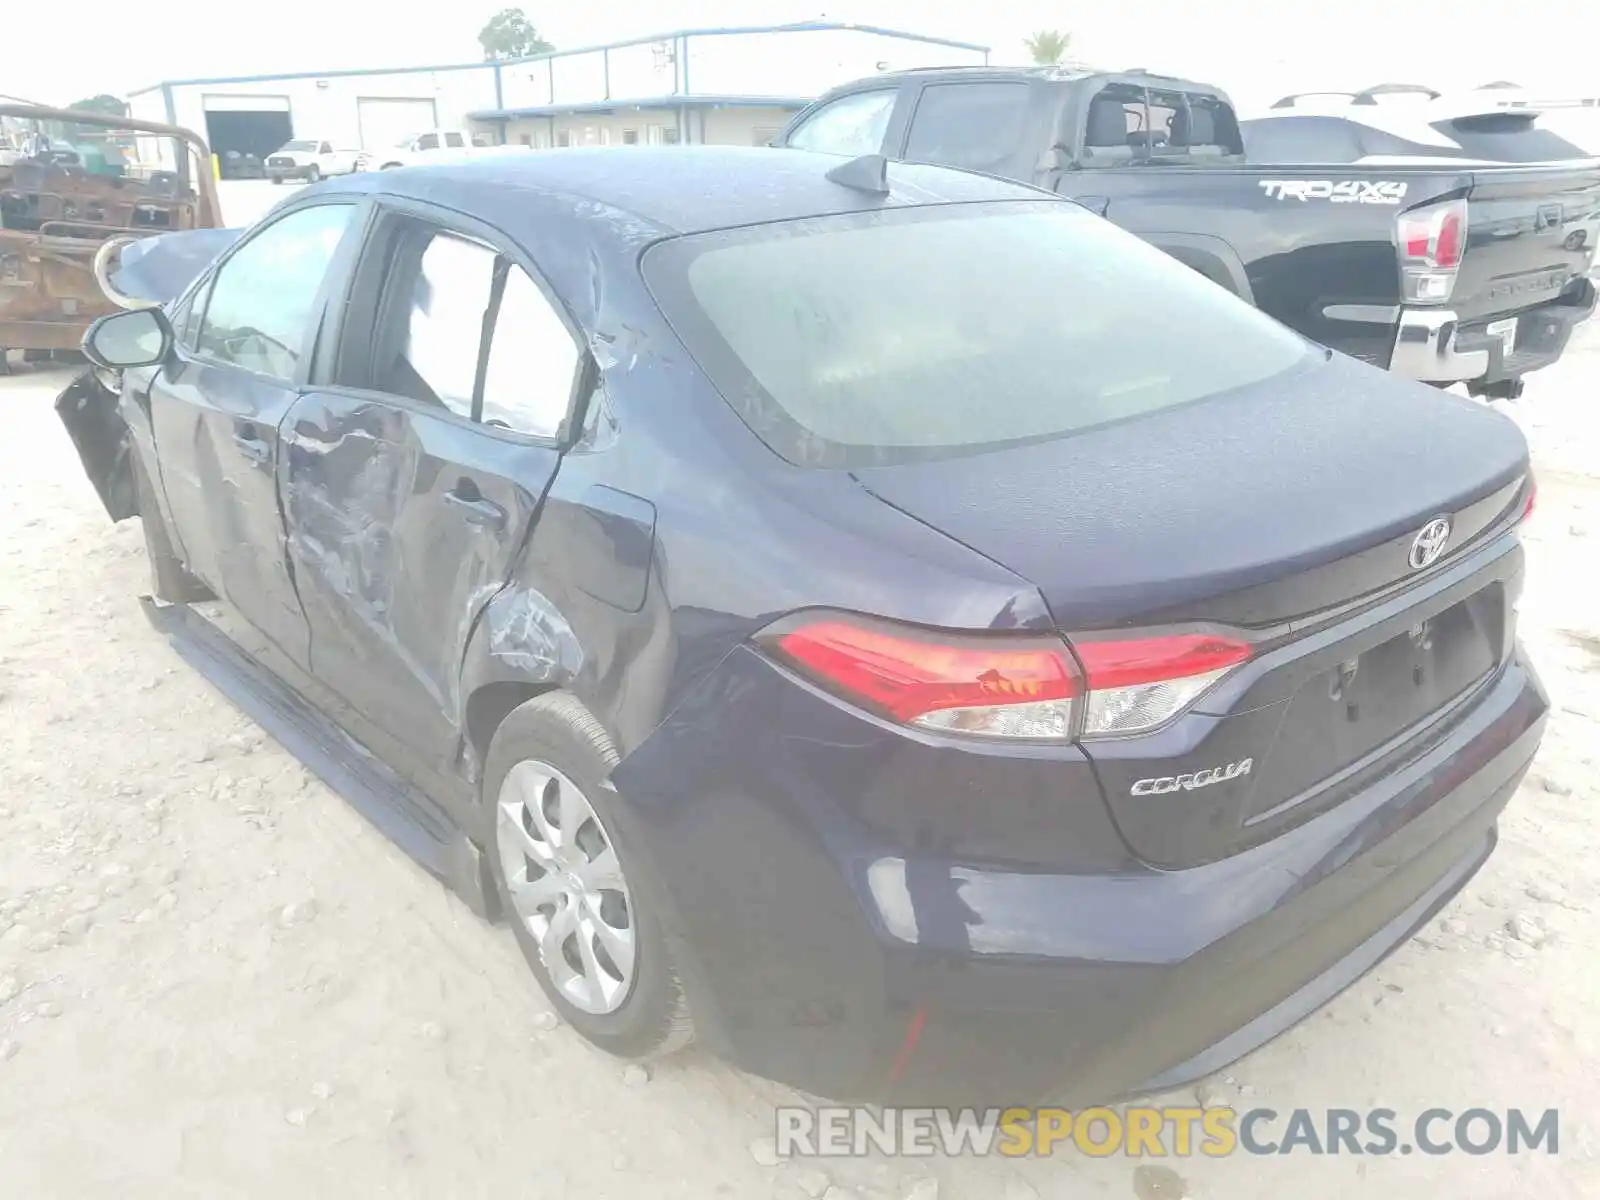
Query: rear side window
pixel 852 125
pixel 533 361
pixel 1129 122
pixel 444 326
pixel 458 324
pixel 428 141
pixel 970 125
pixel 912 334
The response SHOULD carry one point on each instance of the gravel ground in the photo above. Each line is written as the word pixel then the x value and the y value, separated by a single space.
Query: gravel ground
pixel 216 980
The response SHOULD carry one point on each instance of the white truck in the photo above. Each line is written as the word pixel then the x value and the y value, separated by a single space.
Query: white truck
pixel 312 160
pixel 439 145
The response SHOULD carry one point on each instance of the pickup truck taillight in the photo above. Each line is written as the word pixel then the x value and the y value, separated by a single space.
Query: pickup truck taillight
pixel 1431 242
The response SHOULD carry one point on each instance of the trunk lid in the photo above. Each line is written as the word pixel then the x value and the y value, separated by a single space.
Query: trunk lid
pixel 1273 502
pixel 1289 510
pixel 1530 232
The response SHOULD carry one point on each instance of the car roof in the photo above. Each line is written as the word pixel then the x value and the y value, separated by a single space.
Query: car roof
pixel 645 193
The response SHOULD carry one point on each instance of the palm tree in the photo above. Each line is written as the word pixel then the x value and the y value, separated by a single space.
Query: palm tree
pixel 1047 46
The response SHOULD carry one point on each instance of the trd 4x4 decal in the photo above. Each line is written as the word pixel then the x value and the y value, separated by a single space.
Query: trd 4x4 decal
pixel 1346 191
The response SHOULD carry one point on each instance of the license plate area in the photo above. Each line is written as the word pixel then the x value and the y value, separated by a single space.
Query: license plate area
pixel 1354 707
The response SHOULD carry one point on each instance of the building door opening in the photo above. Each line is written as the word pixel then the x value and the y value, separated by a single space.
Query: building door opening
pixel 242 128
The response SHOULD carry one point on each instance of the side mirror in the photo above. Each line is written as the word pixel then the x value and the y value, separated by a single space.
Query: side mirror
pixel 139 337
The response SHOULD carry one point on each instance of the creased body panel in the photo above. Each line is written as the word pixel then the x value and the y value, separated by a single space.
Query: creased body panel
pixel 401 527
pixel 89 412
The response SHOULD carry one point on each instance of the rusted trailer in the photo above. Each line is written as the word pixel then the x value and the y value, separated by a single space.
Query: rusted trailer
pixel 58 212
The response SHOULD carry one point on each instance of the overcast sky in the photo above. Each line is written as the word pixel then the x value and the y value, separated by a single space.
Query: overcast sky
pixel 1255 49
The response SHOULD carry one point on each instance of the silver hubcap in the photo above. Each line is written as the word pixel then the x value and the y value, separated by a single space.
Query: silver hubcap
pixel 566 885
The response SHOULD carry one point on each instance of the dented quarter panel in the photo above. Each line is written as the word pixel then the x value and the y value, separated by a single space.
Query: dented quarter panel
pixel 655 429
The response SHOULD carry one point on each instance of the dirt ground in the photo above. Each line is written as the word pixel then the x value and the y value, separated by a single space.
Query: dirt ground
pixel 216 980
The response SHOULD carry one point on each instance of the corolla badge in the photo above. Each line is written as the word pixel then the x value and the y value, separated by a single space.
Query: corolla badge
pixel 1429 543
pixel 1163 784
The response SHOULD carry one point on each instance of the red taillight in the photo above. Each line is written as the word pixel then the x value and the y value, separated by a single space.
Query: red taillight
pixel 908 678
pixel 1452 230
pixel 1008 687
pixel 1434 236
pixel 1533 495
pixel 1432 241
pixel 1156 660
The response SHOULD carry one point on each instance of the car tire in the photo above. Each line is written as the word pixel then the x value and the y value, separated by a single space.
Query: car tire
pixel 277 179
pixel 551 751
pixel 169 579
pixel 389 166
pixel 313 175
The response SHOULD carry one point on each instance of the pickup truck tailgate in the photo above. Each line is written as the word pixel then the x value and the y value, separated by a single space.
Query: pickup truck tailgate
pixel 1530 232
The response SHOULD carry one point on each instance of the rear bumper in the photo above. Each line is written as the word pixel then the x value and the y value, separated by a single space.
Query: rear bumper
pixel 298 172
pixel 809 954
pixel 1437 346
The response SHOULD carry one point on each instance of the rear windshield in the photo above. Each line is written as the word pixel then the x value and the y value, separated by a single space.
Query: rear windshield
pixel 919 333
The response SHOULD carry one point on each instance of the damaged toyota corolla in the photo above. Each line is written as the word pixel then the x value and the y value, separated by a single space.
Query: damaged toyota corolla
pixel 885 621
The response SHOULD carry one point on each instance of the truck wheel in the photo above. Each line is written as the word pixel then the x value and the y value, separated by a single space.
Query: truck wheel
pixel 169 580
pixel 277 179
pixel 314 175
pixel 585 921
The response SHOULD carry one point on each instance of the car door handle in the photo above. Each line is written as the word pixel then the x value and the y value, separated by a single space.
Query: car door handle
pixel 256 450
pixel 477 510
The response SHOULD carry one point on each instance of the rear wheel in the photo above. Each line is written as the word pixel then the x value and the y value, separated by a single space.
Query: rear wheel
pixel 277 179
pixel 588 929
pixel 314 175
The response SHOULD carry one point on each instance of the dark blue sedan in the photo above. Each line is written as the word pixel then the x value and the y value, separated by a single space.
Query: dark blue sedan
pixel 892 624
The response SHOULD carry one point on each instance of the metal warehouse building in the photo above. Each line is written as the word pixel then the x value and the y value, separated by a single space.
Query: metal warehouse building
pixel 727 86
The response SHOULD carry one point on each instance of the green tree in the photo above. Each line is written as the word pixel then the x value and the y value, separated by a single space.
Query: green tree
pixel 509 34
pixel 1047 46
pixel 103 103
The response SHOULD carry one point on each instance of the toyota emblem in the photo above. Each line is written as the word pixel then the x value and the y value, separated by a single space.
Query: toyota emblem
pixel 1429 543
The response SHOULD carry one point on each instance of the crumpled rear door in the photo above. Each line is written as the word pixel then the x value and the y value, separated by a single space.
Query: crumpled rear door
pixel 401 526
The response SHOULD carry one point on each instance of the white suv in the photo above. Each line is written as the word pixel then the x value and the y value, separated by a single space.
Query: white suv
pixel 311 161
